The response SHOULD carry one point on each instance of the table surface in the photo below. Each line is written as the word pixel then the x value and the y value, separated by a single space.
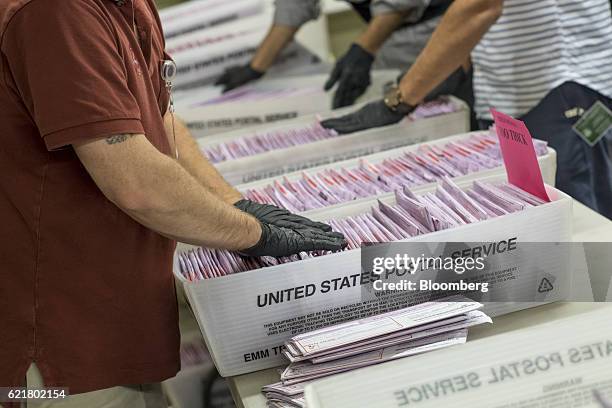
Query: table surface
pixel 588 227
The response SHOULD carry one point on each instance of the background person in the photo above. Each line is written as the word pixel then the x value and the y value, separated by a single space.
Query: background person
pixel 397 32
pixel 538 60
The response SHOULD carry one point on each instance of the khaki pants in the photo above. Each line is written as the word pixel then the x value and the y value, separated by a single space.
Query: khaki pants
pixel 136 396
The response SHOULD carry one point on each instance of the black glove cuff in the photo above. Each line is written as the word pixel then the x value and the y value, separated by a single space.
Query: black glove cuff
pixel 359 52
pixel 255 249
pixel 253 72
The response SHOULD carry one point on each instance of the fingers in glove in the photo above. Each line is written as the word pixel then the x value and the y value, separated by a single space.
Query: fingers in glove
pixel 341 122
pixel 222 79
pixel 346 124
pixel 318 234
pixel 333 237
pixel 279 216
pixel 341 97
pixel 300 227
pixel 230 87
pixel 303 221
pixel 326 245
pixel 347 94
pixel 316 241
pixel 334 77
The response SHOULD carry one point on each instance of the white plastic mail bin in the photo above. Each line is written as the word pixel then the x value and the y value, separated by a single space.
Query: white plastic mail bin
pixel 244 333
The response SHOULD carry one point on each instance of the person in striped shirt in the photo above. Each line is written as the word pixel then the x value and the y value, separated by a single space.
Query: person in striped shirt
pixel 543 61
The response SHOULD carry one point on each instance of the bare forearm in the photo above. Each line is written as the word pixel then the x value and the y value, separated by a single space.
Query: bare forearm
pixel 159 193
pixel 276 40
pixel 379 30
pixel 192 160
pixel 187 212
pixel 460 30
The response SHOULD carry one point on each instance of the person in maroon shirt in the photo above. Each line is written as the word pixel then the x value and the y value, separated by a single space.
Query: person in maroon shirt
pixel 92 197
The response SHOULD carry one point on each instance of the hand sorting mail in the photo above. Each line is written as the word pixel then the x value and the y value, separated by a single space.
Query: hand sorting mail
pixel 373 340
pixel 258 143
pixel 428 164
pixel 447 207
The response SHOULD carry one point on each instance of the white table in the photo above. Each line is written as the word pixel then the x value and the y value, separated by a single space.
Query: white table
pixel 588 227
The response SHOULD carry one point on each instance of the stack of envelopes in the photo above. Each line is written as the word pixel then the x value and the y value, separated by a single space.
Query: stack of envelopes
pixel 373 340
pixel 261 142
pixel 474 153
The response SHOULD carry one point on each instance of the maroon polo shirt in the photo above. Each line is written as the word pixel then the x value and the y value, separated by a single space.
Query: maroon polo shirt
pixel 85 291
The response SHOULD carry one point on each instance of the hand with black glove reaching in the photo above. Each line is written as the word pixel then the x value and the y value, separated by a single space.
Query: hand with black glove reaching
pixel 352 73
pixel 236 76
pixel 277 241
pixel 381 113
pixel 374 114
pixel 271 214
pixel 284 233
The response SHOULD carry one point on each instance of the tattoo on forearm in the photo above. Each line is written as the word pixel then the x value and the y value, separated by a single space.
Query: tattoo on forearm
pixel 117 139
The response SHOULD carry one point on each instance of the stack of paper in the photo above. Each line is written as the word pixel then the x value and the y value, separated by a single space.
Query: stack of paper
pixel 447 207
pixel 263 142
pixel 390 336
pixel 474 153
pixel 257 143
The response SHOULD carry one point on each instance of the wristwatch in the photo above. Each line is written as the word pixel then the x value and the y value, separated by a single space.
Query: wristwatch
pixel 393 100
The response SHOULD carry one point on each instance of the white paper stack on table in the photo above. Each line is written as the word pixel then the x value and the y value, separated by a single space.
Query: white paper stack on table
pixel 390 336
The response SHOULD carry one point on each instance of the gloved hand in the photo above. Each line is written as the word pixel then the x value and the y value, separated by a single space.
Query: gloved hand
pixel 352 72
pixel 236 76
pixel 280 217
pixel 276 241
pixel 373 115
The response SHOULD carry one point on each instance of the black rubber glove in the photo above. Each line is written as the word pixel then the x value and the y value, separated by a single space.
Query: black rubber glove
pixel 352 72
pixel 372 115
pixel 236 76
pixel 276 241
pixel 270 214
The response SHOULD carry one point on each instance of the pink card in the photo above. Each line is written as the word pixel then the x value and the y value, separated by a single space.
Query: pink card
pixel 519 155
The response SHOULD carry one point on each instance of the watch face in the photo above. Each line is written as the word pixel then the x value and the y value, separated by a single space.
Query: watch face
pixel 392 99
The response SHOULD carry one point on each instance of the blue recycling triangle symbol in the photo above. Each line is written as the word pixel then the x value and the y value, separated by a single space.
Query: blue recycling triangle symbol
pixel 545 286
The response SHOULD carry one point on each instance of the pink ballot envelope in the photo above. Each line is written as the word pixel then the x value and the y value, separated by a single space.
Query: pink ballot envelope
pixel 519 155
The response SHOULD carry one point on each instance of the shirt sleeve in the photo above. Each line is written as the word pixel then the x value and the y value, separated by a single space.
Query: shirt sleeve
pixel 65 64
pixel 295 13
pixel 415 8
